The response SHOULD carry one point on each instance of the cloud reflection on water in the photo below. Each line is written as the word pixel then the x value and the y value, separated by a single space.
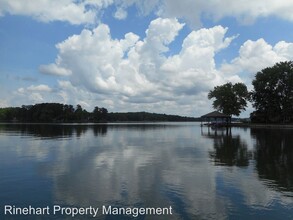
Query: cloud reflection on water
pixel 155 166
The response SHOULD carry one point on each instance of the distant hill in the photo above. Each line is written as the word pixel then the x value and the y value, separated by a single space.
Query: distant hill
pixel 58 113
pixel 146 116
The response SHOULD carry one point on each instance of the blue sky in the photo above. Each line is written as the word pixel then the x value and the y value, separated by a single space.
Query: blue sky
pixel 158 56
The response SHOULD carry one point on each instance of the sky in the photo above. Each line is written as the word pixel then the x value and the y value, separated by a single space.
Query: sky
pixel 161 56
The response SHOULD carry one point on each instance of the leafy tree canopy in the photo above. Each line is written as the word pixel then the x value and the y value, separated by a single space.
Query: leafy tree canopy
pixel 230 99
pixel 273 93
pixel 56 112
pixel 49 112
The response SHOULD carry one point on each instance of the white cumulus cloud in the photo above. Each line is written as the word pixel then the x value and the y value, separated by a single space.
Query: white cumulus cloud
pixel 53 69
pixel 244 11
pixel 39 88
pixel 256 55
pixel 120 13
pixel 138 74
pixel 135 74
pixel 74 12
pixel 193 11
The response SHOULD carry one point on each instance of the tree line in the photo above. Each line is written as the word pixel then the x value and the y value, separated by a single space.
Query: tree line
pixel 52 112
pixel 272 95
pixel 272 98
pixel 56 112
pixel 146 116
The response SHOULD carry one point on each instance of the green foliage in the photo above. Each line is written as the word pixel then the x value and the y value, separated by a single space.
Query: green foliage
pixel 145 116
pixel 230 99
pixel 100 114
pixel 273 94
pixel 56 112
pixel 10 113
pixel 48 112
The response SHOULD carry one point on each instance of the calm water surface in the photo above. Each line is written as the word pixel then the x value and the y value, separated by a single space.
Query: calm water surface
pixel 201 173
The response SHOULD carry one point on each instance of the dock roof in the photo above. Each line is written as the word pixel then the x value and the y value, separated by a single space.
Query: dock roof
pixel 215 114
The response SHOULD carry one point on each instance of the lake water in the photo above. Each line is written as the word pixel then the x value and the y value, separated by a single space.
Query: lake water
pixel 198 173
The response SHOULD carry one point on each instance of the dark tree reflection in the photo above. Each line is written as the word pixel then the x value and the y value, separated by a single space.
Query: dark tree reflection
pixel 64 130
pixel 54 130
pixel 229 150
pixel 274 156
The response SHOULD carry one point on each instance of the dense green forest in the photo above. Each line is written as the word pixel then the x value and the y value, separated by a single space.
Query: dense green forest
pixel 272 95
pixel 145 116
pixel 52 112
pixel 56 112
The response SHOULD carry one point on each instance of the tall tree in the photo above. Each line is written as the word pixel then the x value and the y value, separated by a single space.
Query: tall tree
pixel 230 99
pixel 273 93
pixel 78 113
pixel 100 114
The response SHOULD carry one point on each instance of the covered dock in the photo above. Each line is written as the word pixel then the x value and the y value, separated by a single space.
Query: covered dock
pixel 216 119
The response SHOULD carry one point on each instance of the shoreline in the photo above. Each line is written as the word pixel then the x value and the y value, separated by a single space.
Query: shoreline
pixel 258 125
pixel 233 124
